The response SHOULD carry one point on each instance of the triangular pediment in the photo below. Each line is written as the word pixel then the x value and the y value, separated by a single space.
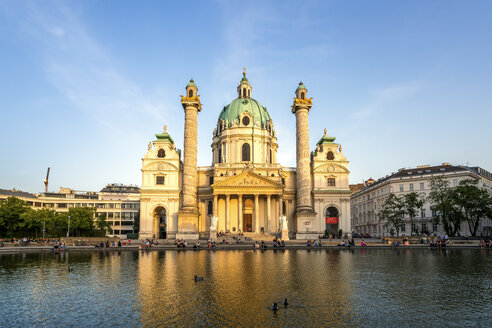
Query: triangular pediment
pixel 247 179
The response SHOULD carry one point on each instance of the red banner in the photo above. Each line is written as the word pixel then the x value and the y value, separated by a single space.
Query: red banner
pixel 331 220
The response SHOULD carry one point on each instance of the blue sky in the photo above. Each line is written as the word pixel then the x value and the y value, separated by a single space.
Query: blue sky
pixel 85 85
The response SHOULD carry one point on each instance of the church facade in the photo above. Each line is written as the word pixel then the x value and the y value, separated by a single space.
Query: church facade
pixel 245 189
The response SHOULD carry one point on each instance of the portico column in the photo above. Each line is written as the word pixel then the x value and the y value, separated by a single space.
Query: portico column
pixel 228 198
pixel 240 214
pixel 257 220
pixel 216 201
pixel 268 214
pixel 280 208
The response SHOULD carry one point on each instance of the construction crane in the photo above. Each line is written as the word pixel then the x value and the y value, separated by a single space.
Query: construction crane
pixel 46 180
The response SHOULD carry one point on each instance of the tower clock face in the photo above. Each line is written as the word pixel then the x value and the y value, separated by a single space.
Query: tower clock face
pixel 245 120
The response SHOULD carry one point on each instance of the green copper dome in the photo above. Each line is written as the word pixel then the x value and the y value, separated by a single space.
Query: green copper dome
pixel 301 86
pixel 191 84
pixel 232 111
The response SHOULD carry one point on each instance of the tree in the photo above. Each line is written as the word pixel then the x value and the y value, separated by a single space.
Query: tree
pixel 81 220
pixel 475 203
pixel 392 212
pixel 11 210
pixel 136 222
pixel 442 199
pixel 412 202
pixel 102 224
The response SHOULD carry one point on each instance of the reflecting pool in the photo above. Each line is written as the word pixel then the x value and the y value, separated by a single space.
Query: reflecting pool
pixel 324 288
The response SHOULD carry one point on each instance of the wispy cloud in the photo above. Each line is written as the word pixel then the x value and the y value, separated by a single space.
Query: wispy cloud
pixel 84 71
pixel 381 98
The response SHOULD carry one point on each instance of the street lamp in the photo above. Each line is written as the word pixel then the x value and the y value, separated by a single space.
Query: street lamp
pixel 68 231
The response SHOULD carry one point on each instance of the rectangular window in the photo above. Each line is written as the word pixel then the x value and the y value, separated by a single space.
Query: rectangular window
pixel 211 180
pixel 424 226
pixel 402 228
pixel 401 187
pixel 411 187
pixel 414 227
pixel 331 182
pixel 434 227
pixel 159 180
pixel 422 213
pixel 111 205
pixel 62 205
pixel 433 213
pixel 421 186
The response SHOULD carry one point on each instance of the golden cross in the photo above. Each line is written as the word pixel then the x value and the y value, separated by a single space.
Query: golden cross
pixel 244 69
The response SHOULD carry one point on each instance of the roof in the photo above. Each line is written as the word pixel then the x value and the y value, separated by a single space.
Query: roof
pixel 301 87
pixel 16 193
pixel 191 84
pixel 117 188
pixel 164 137
pixel 326 139
pixel 232 111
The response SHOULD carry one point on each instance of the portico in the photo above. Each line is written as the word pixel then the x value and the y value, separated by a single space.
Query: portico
pixel 247 202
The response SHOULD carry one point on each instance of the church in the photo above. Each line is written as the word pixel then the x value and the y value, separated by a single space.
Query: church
pixel 244 189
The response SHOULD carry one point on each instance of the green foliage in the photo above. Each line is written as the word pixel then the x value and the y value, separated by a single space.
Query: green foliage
pixel 464 203
pixel 11 211
pixel 136 222
pixel 442 199
pixel 412 202
pixel 474 203
pixel 18 219
pixel 392 213
pixel 102 224
pixel 81 220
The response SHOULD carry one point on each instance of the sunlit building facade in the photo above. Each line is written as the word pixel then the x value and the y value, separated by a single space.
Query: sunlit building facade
pixel 245 189
pixel 367 203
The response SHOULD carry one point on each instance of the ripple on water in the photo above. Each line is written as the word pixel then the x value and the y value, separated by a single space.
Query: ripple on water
pixel 329 288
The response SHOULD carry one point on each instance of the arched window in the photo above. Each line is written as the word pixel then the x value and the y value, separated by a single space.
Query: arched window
pixel 246 153
pixel 161 153
pixel 302 95
pixel 271 157
pixel 284 208
pixel 190 93
pixel 220 156
pixel 244 92
pixel 210 208
pixel 330 156
pixel 249 93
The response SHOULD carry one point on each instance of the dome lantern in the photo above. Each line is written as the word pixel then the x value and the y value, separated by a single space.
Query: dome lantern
pixel 301 91
pixel 244 88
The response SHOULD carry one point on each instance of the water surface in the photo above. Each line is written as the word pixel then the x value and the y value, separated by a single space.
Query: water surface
pixel 325 288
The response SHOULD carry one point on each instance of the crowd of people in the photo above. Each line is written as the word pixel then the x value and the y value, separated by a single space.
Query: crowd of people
pixel 487 243
pixel 441 241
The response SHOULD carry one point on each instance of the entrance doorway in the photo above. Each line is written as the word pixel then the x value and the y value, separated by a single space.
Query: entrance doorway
pixel 160 215
pixel 247 222
pixel 331 220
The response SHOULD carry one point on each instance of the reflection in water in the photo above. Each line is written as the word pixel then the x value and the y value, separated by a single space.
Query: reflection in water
pixel 330 288
pixel 240 286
